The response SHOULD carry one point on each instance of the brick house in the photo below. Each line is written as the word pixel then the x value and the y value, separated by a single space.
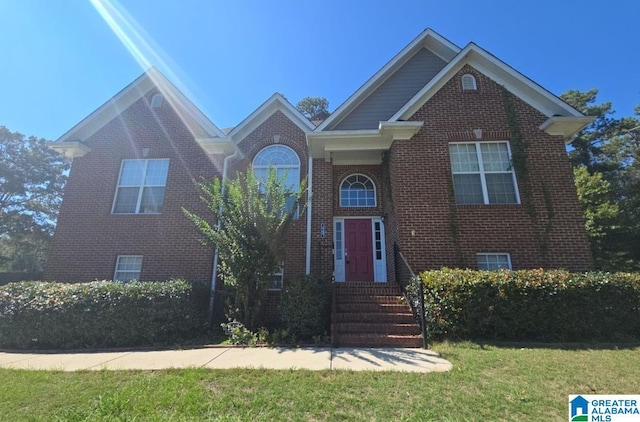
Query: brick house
pixel 420 156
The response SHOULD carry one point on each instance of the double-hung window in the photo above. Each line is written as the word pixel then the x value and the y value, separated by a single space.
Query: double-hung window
pixel 483 173
pixel 128 268
pixel 141 186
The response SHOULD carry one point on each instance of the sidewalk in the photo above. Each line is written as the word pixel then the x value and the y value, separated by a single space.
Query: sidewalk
pixel 353 359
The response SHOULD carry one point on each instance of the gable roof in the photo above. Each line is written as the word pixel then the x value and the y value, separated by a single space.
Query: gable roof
pixel 428 39
pixel 194 119
pixel 503 74
pixel 276 102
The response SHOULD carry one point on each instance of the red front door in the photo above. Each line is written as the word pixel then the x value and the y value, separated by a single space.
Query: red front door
pixel 358 250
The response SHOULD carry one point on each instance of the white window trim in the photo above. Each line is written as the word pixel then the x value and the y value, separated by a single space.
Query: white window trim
pixel 482 172
pixel 508 255
pixel 140 186
pixel 472 79
pixel 278 166
pixel 286 167
pixel 375 192
pixel 280 273
pixel 115 273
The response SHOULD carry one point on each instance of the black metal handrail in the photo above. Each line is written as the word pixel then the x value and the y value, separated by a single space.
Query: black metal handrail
pixel 334 307
pixel 412 289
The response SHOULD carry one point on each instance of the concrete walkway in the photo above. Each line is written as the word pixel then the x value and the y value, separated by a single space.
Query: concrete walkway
pixel 312 358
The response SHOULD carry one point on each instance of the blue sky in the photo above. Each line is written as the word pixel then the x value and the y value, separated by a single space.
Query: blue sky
pixel 61 60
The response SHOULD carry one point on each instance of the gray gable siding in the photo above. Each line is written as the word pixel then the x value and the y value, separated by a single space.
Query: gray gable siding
pixel 395 92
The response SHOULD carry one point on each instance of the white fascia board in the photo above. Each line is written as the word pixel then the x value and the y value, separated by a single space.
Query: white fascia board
pixel 178 100
pixel 566 126
pixel 129 95
pixel 427 39
pixel 321 143
pixel 70 149
pixel 531 92
pixel 264 111
pixel 431 87
pixel 503 74
pixel 109 110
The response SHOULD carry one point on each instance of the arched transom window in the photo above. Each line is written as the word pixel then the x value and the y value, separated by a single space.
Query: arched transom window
pixel 357 190
pixel 283 159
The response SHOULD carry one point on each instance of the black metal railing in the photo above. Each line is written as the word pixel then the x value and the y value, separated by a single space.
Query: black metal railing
pixel 334 307
pixel 412 289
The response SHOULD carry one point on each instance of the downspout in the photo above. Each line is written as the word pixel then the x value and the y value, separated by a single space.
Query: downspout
pixel 214 272
pixel 309 188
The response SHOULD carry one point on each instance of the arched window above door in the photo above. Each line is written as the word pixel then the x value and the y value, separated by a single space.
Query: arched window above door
pixel 357 190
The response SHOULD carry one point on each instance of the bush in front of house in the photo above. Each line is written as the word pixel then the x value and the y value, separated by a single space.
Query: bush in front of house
pixel 304 307
pixel 532 305
pixel 100 314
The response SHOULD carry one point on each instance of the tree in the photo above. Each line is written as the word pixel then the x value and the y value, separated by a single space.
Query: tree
pixel 609 151
pixel 252 218
pixel 314 108
pixel 32 178
pixel 601 213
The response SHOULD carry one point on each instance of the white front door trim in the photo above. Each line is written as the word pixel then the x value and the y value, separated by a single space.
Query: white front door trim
pixel 379 265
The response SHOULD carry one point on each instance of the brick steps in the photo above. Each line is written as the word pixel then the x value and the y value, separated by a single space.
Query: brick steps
pixel 380 340
pixel 377 328
pixel 373 315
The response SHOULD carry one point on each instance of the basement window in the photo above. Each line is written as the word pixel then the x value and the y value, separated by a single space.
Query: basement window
pixel 494 261
pixel 128 268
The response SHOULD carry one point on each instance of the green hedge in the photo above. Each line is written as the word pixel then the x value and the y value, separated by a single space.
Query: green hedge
pixel 532 305
pixel 305 307
pixel 51 315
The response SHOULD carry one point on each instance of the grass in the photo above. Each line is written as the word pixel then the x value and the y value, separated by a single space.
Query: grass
pixel 487 383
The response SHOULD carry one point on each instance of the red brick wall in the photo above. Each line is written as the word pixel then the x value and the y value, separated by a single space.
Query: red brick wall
pixel 278 129
pixel 420 168
pixel 324 191
pixel 89 238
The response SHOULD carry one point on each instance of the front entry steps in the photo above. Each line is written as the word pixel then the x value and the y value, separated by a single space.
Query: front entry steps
pixel 368 314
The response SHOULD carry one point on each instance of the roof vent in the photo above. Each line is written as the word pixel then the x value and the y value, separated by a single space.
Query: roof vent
pixel 469 82
pixel 157 101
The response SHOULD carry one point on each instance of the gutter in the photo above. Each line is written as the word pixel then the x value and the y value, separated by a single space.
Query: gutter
pixel 309 194
pixel 216 255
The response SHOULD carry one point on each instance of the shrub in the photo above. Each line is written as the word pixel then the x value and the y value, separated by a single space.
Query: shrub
pixel 100 314
pixel 304 307
pixel 532 305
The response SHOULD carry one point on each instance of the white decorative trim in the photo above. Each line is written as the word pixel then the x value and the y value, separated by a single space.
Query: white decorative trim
pixel 379 265
pixel 515 82
pixel 132 93
pixel 359 146
pixel 275 103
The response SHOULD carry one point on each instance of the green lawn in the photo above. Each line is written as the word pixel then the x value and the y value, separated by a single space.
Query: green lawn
pixel 486 383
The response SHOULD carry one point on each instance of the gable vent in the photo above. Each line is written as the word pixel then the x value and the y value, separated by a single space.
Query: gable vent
pixel 469 82
pixel 157 101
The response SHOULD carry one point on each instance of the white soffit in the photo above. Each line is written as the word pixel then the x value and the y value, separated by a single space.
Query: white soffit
pixel 359 146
